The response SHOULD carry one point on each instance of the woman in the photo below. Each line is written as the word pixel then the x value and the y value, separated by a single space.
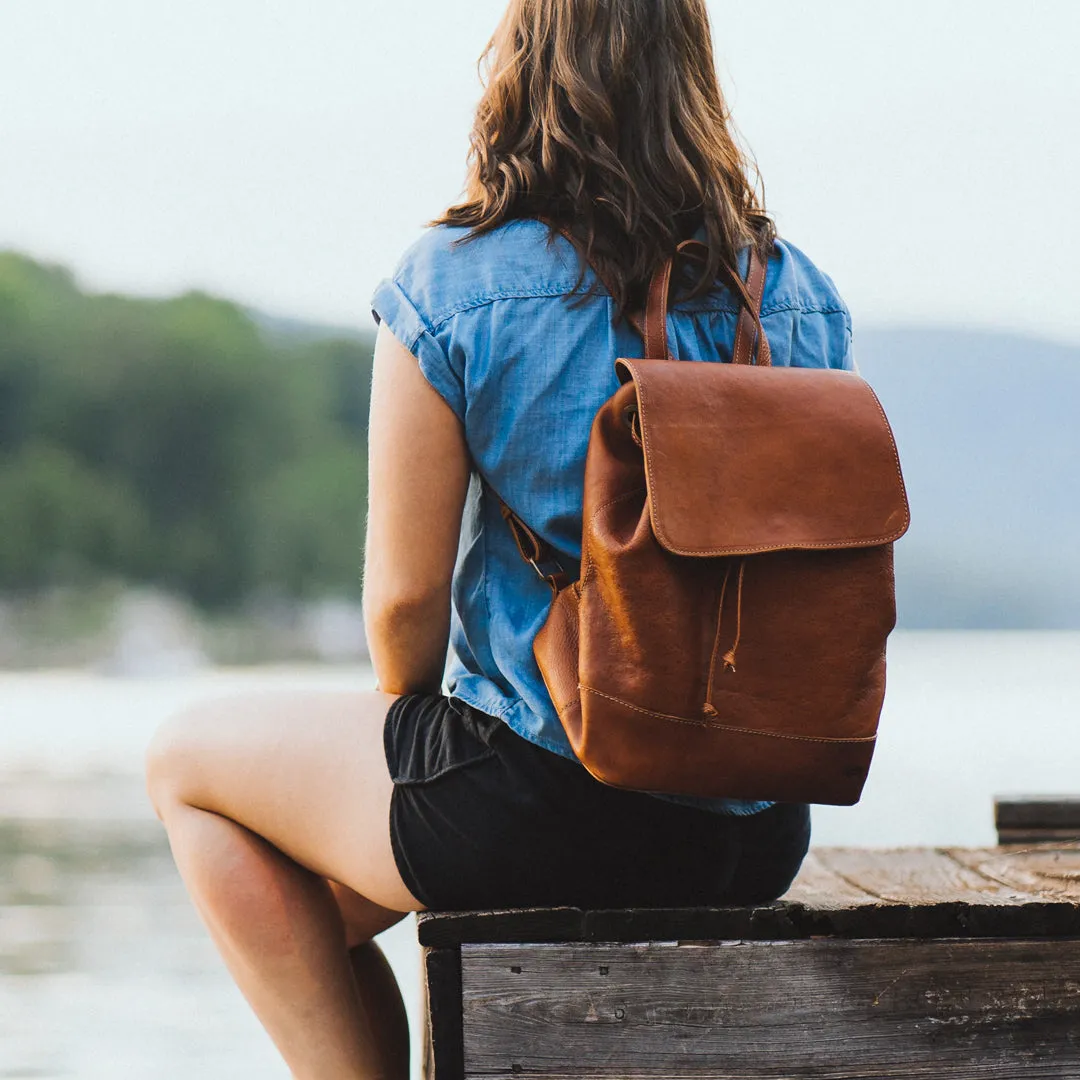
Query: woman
pixel 303 827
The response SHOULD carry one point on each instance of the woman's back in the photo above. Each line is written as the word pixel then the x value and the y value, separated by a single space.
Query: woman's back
pixel 294 820
pixel 525 367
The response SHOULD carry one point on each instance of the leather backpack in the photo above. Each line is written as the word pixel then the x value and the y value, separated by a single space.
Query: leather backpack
pixel 726 636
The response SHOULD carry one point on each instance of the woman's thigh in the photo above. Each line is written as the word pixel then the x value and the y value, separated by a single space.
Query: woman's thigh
pixel 305 771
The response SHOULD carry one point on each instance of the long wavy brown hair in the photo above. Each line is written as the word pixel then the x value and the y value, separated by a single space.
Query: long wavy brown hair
pixel 606 119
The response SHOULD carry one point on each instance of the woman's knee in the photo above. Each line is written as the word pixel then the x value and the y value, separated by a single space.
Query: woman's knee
pixel 173 757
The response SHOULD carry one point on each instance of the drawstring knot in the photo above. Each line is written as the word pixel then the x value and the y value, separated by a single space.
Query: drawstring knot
pixel 728 657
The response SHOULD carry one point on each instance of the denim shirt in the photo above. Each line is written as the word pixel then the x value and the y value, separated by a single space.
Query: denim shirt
pixel 525 371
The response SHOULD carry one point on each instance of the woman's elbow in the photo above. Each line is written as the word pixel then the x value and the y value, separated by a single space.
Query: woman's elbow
pixel 407 637
pixel 390 613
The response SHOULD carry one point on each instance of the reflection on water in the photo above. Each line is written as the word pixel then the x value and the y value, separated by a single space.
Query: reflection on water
pixel 57 872
pixel 106 972
pixel 104 969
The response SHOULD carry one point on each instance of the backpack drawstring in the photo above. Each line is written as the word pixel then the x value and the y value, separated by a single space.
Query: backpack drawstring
pixel 729 656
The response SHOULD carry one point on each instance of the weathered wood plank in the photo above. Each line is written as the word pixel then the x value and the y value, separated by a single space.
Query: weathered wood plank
pixel 1013 837
pixel 443 1040
pixel 917 877
pixel 819 887
pixel 441 929
pixel 786 921
pixel 445 929
pixel 830 1010
pixel 1023 819
pixel 843 892
pixel 1049 872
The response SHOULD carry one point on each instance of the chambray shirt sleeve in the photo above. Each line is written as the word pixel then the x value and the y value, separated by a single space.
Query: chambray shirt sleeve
pixel 848 363
pixel 391 304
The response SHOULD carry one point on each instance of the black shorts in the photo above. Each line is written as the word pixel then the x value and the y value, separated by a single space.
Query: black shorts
pixel 481 818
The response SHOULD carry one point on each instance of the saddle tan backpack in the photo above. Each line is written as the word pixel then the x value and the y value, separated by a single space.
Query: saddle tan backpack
pixel 727 634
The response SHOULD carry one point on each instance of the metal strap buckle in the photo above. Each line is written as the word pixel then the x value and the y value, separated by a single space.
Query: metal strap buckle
pixel 539 573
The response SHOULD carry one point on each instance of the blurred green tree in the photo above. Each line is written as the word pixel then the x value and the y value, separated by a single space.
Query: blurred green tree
pixel 180 442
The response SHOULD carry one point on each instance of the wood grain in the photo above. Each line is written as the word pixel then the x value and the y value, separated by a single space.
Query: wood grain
pixel 1048 872
pixel 782 1010
pixel 917 877
pixel 817 886
pixel 443 1045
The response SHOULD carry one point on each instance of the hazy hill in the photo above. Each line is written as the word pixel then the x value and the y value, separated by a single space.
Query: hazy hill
pixel 988 427
pixel 286 330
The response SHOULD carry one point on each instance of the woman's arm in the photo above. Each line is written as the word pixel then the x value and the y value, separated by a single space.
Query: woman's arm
pixel 418 473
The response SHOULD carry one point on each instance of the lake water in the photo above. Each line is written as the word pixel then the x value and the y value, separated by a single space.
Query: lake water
pixel 105 970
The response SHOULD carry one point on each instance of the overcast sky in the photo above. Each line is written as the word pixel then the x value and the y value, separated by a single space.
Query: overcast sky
pixel 283 152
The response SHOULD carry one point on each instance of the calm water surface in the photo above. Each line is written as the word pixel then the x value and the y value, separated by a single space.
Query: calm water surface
pixel 105 970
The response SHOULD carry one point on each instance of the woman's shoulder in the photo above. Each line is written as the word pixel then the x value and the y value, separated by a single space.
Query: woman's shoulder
pixel 446 271
pixel 796 283
pixel 798 291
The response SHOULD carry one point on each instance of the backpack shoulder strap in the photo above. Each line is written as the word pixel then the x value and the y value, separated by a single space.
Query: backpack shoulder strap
pixel 536 552
pixel 651 324
pixel 749 331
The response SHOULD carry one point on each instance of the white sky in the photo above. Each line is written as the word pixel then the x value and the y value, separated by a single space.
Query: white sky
pixel 926 153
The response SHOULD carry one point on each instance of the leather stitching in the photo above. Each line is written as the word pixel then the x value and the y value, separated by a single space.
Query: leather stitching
pixel 793 545
pixel 656 343
pixel 648 328
pixel 797 738
pixel 694 722
pixel 664 300
pixel 647 712
pixel 740 333
pixel 896 454
pixel 650 483
pixel 744 346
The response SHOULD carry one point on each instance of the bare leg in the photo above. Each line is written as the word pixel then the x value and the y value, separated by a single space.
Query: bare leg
pixel 381 1003
pixel 380 997
pixel 265 799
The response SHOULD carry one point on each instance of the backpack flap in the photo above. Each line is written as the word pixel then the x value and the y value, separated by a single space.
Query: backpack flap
pixel 742 459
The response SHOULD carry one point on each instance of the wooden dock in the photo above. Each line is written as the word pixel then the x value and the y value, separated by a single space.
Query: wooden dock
pixel 921 963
